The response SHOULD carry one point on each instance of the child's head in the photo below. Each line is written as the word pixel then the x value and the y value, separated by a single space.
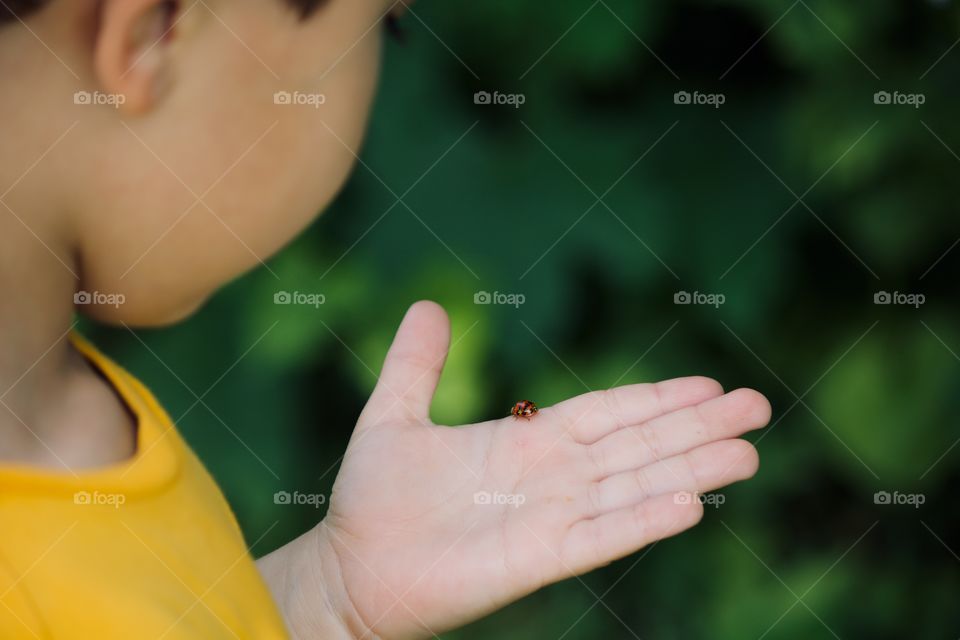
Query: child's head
pixel 195 143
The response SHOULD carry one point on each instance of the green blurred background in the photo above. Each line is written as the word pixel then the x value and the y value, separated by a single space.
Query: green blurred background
pixel 703 199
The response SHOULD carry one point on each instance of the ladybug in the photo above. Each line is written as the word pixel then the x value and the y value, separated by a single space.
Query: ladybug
pixel 524 409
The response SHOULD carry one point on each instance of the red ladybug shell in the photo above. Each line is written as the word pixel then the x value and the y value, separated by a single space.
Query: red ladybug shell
pixel 524 409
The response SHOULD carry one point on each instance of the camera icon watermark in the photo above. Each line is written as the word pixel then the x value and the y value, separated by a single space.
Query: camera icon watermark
pixel 509 299
pixel 714 300
pixel 84 298
pixel 97 499
pixel 515 100
pixel 298 298
pixel 497 499
pixel 915 300
pixel 715 100
pixel 914 500
pixel 715 500
pixel 99 99
pixel 299 99
pixel 315 500
pixel 897 98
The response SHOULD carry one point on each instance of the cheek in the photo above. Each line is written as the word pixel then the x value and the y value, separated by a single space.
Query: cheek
pixel 293 175
pixel 309 123
pixel 313 147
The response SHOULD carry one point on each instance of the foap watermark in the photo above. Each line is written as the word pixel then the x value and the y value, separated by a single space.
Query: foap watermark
pixel 299 99
pixel 509 299
pixel 914 300
pixel 496 498
pixel 711 299
pixel 714 100
pixel 98 298
pixel 515 100
pixel 99 499
pixel 315 500
pixel 706 499
pixel 299 298
pixel 99 99
pixel 901 99
pixel 896 498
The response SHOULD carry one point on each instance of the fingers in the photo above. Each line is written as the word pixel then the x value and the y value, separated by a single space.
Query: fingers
pixel 722 418
pixel 601 540
pixel 412 367
pixel 630 510
pixel 703 469
pixel 594 415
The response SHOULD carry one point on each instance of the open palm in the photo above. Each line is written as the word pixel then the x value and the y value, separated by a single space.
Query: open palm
pixel 433 526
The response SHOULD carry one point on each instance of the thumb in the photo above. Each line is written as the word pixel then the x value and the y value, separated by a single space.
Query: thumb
pixel 412 368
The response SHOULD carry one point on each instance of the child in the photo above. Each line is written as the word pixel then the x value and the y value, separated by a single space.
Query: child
pixel 147 161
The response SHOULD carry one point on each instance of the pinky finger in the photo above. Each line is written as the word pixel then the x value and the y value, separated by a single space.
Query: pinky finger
pixel 599 541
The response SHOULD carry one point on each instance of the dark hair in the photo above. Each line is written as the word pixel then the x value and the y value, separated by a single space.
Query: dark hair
pixel 11 10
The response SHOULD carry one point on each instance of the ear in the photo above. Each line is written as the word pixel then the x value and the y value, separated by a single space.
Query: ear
pixel 132 49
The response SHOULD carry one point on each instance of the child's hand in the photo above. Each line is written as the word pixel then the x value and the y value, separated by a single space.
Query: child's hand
pixel 431 527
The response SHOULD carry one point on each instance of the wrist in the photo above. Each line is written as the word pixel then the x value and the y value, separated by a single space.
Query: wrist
pixel 307 584
pixel 337 596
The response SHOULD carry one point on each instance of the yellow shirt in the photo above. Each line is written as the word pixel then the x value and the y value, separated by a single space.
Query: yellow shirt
pixel 143 549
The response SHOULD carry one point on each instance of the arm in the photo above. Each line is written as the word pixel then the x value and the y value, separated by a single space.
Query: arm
pixel 430 527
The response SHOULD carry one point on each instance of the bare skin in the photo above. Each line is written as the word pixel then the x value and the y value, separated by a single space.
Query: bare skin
pixel 199 176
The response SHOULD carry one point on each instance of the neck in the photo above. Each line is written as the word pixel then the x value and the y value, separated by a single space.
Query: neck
pixel 36 358
pixel 55 410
